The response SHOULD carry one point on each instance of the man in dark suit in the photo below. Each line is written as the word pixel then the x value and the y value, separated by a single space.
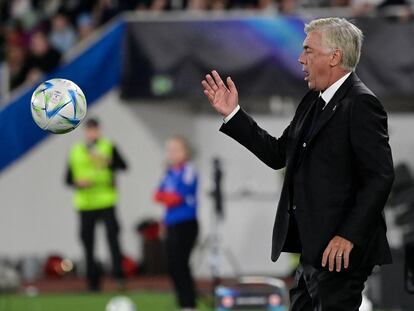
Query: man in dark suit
pixel 339 169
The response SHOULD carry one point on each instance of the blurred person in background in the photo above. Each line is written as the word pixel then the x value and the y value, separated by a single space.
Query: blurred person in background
pixel 197 5
pixel 105 10
pixel 286 7
pixel 16 50
pixel 21 10
pixel 16 64
pixel 48 8
pixel 62 35
pixel 85 25
pixel 18 9
pixel 16 35
pixel 2 44
pixel 43 58
pixel 74 8
pixel 178 193
pixel 92 167
pixel 159 5
pixel 219 5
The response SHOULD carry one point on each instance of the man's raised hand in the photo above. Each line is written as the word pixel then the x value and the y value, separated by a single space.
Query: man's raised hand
pixel 224 98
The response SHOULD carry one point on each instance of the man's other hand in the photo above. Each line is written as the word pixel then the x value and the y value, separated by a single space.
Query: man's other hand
pixel 337 253
pixel 224 98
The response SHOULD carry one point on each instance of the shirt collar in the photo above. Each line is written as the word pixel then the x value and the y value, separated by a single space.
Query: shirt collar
pixel 330 91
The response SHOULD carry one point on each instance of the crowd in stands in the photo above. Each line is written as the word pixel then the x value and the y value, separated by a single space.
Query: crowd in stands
pixel 35 33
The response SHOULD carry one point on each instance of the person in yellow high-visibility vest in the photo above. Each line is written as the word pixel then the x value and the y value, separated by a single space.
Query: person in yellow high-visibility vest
pixel 91 171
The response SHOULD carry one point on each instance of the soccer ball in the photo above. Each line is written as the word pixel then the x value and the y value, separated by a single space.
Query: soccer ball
pixel 58 106
pixel 120 303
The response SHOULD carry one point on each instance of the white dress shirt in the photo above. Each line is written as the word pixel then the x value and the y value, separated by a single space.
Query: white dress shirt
pixel 330 91
pixel 326 95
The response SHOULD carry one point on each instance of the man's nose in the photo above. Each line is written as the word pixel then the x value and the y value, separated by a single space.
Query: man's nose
pixel 301 58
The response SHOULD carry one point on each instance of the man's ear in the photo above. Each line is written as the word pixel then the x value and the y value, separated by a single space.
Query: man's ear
pixel 336 58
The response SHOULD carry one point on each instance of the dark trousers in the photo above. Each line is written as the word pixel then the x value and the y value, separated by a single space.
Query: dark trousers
pixel 88 220
pixel 317 290
pixel 180 242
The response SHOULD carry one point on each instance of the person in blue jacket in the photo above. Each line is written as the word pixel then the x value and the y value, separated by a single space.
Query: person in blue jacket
pixel 178 193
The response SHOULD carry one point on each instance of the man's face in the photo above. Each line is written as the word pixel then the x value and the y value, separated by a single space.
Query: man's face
pixel 92 134
pixel 316 62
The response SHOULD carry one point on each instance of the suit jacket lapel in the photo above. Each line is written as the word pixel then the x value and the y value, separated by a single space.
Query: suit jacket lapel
pixel 333 105
pixel 298 129
pixel 302 119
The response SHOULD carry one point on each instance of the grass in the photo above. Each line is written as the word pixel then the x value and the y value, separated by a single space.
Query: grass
pixel 145 301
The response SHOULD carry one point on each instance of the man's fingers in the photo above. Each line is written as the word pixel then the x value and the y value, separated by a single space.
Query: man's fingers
pixel 332 257
pixel 209 96
pixel 211 82
pixel 232 86
pixel 326 256
pixel 338 261
pixel 218 80
pixel 207 86
pixel 346 258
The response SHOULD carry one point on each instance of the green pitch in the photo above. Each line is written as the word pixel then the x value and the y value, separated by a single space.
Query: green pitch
pixel 145 301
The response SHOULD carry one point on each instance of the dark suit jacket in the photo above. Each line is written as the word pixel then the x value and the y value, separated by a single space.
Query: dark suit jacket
pixel 342 182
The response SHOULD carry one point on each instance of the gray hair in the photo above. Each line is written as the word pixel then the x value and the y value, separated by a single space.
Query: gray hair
pixel 338 33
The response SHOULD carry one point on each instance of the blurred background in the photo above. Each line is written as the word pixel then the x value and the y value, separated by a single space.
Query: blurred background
pixel 140 63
